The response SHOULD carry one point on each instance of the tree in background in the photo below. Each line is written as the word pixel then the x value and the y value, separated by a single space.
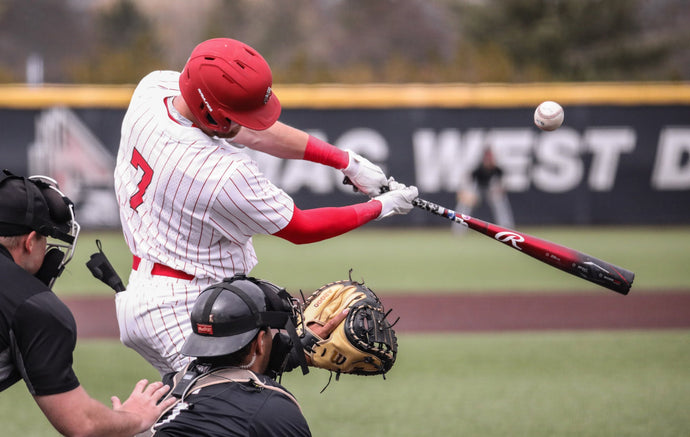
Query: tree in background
pixel 49 29
pixel 356 41
pixel 126 47
pixel 308 41
pixel 568 39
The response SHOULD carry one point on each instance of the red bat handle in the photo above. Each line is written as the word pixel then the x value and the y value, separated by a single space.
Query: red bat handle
pixel 569 260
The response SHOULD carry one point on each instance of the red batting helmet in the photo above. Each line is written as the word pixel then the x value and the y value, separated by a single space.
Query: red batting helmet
pixel 225 79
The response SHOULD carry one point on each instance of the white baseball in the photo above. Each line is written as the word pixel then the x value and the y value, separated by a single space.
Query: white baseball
pixel 549 116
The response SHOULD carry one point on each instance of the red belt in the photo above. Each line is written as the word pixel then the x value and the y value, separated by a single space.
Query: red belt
pixel 161 270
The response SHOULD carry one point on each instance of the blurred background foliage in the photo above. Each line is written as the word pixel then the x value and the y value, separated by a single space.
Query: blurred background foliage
pixel 355 41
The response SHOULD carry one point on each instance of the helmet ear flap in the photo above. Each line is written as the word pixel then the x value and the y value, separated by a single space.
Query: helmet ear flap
pixel 58 205
pixel 61 223
pixel 288 351
pixel 277 299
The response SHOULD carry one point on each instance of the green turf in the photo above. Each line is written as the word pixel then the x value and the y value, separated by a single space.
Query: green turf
pixel 514 384
pixel 541 384
pixel 412 260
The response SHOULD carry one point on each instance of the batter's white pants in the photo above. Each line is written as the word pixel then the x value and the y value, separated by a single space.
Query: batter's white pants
pixel 153 316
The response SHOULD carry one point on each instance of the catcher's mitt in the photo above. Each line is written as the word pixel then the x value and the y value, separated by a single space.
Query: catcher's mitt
pixel 362 344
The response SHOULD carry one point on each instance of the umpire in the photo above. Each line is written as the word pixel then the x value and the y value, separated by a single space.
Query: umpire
pixel 230 390
pixel 37 330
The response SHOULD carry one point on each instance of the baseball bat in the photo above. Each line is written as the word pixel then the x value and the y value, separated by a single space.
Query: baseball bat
pixel 564 258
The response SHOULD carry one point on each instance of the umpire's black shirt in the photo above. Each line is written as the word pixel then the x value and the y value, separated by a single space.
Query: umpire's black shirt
pixel 37 333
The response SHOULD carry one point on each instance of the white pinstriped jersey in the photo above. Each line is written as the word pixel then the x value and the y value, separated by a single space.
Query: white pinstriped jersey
pixel 191 203
pixel 186 200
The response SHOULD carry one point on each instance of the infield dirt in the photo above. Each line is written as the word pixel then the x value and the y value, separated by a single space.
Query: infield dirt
pixel 95 317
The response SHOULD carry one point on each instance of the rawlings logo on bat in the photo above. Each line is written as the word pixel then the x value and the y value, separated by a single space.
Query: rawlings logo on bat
pixel 510 237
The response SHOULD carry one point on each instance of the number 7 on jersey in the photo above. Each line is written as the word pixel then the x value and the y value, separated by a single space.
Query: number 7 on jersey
pixel 139 162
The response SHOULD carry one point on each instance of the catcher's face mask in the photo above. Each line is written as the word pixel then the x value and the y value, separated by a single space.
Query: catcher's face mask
pixel 37 204
pixel 228 315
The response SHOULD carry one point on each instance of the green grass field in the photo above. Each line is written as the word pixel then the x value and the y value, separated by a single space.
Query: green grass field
pixel 613 383
pixel 514 384
pixel 411 260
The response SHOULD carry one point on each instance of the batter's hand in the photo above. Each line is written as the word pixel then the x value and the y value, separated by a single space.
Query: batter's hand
pixel 143 402
pixel 398 200
pixel 364 175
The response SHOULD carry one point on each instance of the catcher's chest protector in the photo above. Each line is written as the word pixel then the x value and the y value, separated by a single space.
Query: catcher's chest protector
pixel 219 376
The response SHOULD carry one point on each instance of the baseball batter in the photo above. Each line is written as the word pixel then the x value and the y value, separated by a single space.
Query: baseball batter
pixel 191 199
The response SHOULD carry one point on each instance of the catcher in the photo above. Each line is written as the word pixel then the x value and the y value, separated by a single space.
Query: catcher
pixel 238 355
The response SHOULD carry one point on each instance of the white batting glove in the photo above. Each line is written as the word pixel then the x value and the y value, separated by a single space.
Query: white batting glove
pixel 364 175
pixel 398 200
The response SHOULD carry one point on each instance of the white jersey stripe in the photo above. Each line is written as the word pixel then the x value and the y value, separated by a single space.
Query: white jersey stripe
pixel 189 202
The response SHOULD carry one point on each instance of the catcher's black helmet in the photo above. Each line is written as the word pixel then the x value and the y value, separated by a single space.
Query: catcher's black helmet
pixel 227 316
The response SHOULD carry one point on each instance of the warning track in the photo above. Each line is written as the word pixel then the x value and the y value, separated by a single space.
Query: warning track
pixel 479 313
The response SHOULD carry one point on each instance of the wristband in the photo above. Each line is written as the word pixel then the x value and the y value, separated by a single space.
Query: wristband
pixel 323 153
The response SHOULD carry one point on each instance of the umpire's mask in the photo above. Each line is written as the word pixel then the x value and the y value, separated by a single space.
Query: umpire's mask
pixel 37 204
pixel 228 315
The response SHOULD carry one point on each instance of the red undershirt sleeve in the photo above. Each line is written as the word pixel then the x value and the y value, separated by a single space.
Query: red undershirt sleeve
pixel 323 153
pixel 312 225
